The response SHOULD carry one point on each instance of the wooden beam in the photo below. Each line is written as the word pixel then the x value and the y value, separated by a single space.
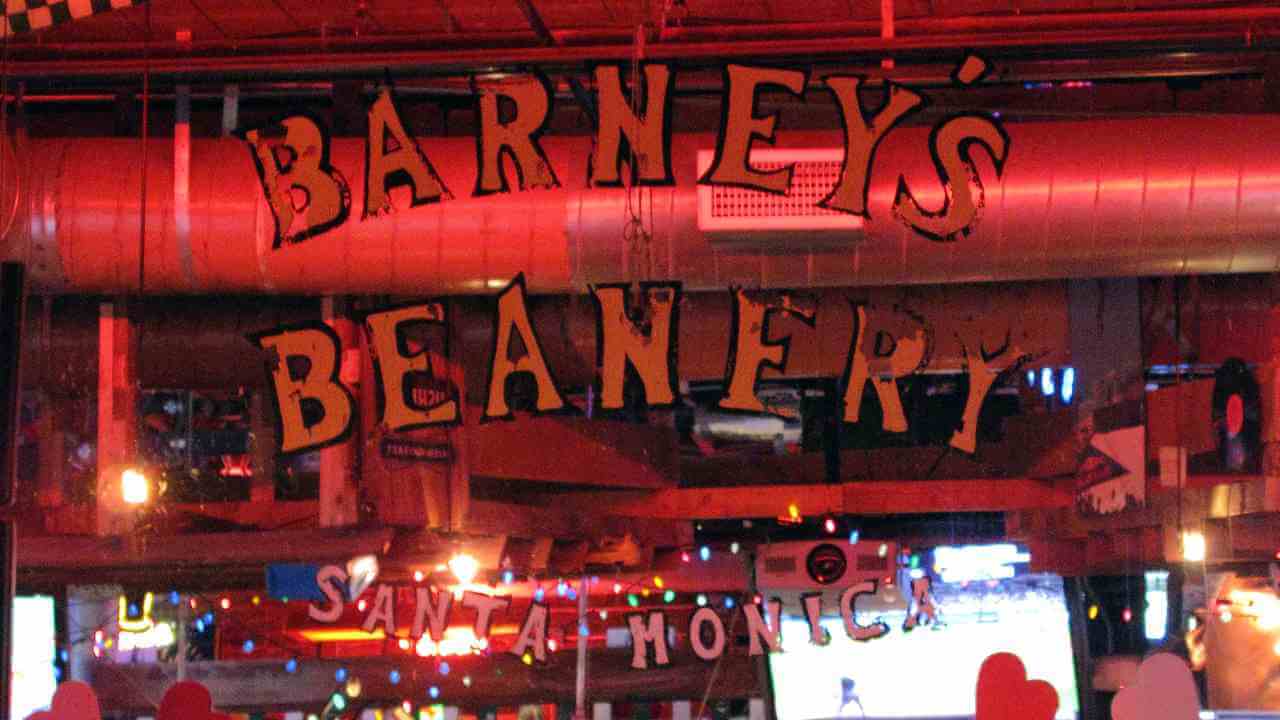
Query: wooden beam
pixel 497 680
pixel 1208 498
pixel 339 489
pixel 117 416
pixel 231 548
pixel 551 519
pixel 574 451
pixel 883 497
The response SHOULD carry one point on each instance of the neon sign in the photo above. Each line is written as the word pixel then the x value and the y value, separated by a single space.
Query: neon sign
pixel 157 636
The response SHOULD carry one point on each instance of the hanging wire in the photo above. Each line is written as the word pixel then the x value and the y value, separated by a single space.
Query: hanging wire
pixel 637 236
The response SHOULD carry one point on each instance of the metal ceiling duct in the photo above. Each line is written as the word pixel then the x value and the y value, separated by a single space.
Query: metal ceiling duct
pixel 1113 197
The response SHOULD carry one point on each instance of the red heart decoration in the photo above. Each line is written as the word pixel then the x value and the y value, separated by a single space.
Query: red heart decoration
pixel 71 701
pixel 188 701
pixel 1005 693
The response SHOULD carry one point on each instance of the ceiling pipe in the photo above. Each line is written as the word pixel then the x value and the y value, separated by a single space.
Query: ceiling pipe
pixel 1185 18
pixel 1131 197
pixel 1187 29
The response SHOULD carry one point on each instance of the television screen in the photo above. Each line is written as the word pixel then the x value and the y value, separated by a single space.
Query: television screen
pixel 34 640
pixel 986 603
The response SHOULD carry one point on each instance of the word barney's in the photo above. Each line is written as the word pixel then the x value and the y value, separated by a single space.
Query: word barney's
pixel 308 197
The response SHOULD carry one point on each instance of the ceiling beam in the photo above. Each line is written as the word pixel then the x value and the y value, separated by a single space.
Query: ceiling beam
pixel 534 18
pixel 1127 34
pixel 879 497
pixel 574 451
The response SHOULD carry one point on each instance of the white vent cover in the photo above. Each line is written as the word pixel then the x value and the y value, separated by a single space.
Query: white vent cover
pixel 739 215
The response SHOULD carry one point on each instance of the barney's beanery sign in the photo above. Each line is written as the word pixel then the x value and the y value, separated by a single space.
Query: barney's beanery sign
pixel 636 331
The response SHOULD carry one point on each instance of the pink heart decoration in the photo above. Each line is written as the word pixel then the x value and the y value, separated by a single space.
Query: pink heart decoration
pixel 1005 693
pixel 1164 690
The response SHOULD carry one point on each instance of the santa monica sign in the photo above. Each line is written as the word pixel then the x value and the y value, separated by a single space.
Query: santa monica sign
pixel 706 632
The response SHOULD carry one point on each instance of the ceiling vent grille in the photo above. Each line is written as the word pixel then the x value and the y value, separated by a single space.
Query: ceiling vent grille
pixel 752 217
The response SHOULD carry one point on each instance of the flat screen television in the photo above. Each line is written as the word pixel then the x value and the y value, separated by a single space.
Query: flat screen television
pixel 987 602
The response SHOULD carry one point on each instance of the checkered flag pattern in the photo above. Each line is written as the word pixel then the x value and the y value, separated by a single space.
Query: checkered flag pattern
pixel 26 15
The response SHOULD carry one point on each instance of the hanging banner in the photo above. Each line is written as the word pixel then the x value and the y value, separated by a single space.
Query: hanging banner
pixel 415 398
pixel 307 196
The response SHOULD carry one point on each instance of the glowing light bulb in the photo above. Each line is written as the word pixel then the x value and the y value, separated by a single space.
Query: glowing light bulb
pixel 733 547
pixel 464 567
pixel 527 659
pixel 225 603
pixel 853 537
pixel 684 556
pixel 617 588
pixel 704 553
pixel 1127 615
pixel 1194 548
pixel 658 582
pixel 508 577
pixel 134 487
pixel 829 525
pixel 419 576
pixel 604 614
pixel 793 511
pixel 669 596
pixel 701 600
pixel 394 677
pixel 1093 612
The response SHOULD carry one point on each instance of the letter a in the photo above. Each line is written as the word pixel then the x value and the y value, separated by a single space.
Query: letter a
pixel 393 159
pixel 513 319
